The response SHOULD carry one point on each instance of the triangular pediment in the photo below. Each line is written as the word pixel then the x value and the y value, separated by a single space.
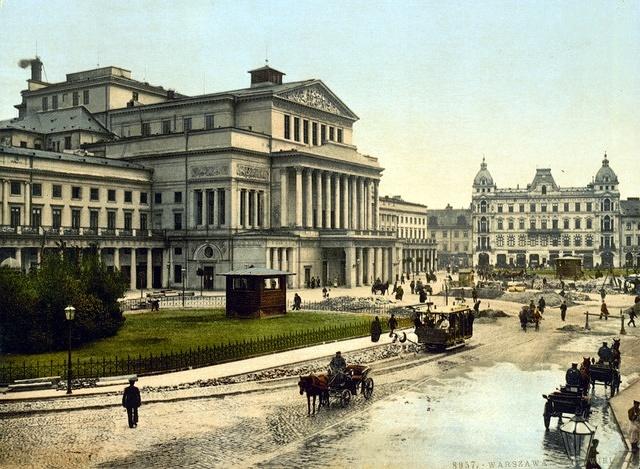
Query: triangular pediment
pixel 317 95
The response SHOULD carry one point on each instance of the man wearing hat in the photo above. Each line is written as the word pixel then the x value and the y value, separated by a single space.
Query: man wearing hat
pixel 573 376
pixel 131 401
pixel 337 367
pixel 634 425
pixel 604 353
pixel 592 456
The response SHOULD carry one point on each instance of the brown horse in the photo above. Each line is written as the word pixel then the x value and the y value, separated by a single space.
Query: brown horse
pixel 585 374
pixel 314 385
pixel 615 353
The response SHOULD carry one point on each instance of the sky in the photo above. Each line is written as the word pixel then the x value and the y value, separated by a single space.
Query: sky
pixel 436 85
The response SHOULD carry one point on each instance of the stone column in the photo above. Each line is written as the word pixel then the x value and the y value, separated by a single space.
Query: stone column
pixel 376 205
pixel 369 204
pixel 116 258
pixel 203 208
pixel 345 201
pixel 274 259
pixel 149 268
pixel 254 195
pixel 377 265
pixel 298 197
pixel 285 259
pixel 5 202
pixel 229 206
pixel 165 268
pixel 214 196
pixel 27 204
pixel 293 280
pixel 353 206
pixel 370 266
pixel 350 267
pixel 384 256
pixel 327 199
pixel 134 272
pixel 338 207
pixel 308 186
pixel 319 223
pixel 18 254
pixel 283 198
pixel 359 266
pixel 361 204
pixel 246 223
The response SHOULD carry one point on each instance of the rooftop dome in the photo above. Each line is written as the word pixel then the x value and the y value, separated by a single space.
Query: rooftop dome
pixel 483 178
pixel 605 174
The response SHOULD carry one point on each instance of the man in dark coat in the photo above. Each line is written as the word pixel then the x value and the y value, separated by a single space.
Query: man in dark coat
pixel 376 329
pixel 412 285
pixel 541 304
pixel 572 376
pixel 563 310
pixel 131 401
pixel 392 323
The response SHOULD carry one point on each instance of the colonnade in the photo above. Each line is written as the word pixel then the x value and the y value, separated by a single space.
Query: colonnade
pixel 284 259
pixel 328 200
pixel 419 260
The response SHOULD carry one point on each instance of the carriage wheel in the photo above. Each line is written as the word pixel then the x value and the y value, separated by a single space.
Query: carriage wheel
pixel 547 415
pixel 367 388
pixel 345 397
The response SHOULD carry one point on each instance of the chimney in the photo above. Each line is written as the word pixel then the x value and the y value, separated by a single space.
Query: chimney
pixel 265 76
pixel 171 94
pixel 36 69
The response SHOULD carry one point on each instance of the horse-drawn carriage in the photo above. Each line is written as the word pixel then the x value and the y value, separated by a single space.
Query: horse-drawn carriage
pixel 567 400
pixel 443 329
pixel 342 386
pixel 606 374
pixel 379 286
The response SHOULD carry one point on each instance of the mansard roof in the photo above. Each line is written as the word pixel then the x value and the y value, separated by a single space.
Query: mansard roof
pixel 543 177
pixel 55 121
pixel 630 207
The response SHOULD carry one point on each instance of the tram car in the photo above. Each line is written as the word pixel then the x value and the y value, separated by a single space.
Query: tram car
pixel 443 328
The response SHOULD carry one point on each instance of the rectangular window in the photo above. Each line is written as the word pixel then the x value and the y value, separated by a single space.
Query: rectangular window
pixel 521 224
pixel 554 224
pixel 554 208
pixel 566 206
pixel 15 216
pixel 177 251
pixel 76 192
pixel 135 96
pixel 177 273
pixel 111 195
pixel 510 208
pixel 323 134
pixel 305 131
pixel 85 97
pixel 566 224
pixel 16 188
pixel 111 220
pixel 54 101
pixel 221 207
pixel 296 129
pixel 543 208
pixel 67 143
pixel 339 135
pixel 532 224
pixel 94 216
pixel 146 129
pixel 94 193
pixel 157 198
pixel 589 206
pixel 287 127
pixel 532 207
pixel 36 217
pixel 56 217
pixel 511 224
pixel 186 124
pixel 521 208
pixel 314 133
pixel 76 98
pixel 208 121
pixel 127 221
pixel 75 218
pixel 143 221
pixel 166 127
pixel 144 198
pixel 543 224
pixel 589 223
pixel 577 206
pixel 577 223
pixel 628 239
pixel 331 133
pixel 45 103
pixel 177 197
pixel 177 221
pixel 499 208
pixel 36 189
pixel 128 197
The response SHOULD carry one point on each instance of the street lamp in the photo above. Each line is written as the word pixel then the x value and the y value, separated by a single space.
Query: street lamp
pixel 70 313
pixel 577 435
pixel 184 271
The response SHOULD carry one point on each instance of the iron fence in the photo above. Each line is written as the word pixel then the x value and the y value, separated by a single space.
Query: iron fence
pixel 185 359
pixel 174 301
pixel 350 306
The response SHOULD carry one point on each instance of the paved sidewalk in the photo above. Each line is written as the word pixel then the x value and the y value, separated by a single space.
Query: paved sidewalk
pixel 249 365
pixel 620 405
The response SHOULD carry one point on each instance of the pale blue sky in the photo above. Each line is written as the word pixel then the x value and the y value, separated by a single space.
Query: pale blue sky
pixel 436 84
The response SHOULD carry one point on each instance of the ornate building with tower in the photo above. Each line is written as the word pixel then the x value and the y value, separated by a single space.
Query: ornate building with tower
pixel 534 225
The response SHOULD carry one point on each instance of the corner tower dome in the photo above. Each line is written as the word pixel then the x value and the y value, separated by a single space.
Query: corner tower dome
pixel 605 174
pixel 483 178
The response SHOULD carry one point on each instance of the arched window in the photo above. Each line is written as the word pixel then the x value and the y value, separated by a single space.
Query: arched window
pixel 483 206
pixel 606 205
pixel 606 223
pixel 544 190
pixel 483 225
pixel 483 181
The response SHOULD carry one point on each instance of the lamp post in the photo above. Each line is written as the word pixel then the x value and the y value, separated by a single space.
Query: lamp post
pixel 184 271
pixel 70 313
pixel 577 436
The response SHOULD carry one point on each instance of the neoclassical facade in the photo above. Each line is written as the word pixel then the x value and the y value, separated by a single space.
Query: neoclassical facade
pixel 451 230
pixel 538 223
pixel 408 220
pixel 266 175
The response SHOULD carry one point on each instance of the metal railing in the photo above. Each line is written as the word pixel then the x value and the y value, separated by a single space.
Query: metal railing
pixel 190 301
pixel 75 231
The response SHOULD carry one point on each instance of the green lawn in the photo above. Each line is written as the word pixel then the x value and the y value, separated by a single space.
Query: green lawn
pixel 176 330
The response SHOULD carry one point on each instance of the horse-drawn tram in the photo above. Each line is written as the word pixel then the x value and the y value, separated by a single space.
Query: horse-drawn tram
pixel 444 328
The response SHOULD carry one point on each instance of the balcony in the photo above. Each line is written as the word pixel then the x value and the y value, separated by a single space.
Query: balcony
pixel 604 247
pixel 70 232
pixel 486 248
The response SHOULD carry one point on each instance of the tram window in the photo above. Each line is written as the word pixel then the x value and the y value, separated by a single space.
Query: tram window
pixel 240 284
pixel 272 284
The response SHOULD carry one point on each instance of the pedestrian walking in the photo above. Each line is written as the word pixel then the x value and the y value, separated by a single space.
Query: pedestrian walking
pixel 592 456
pixel 422 295
pixel 131 401
pixel 634 425
pixel 402 280
pixel 325 293
pixel 376 329
pixel 541 304
pixel 393 324
pixel 633 312
pixel 297 302
pixel 603 293
pixel 412 285
pixel 476 307
pixel 524 317
pixel 537 317
pixel 474 294
pixel 563 310
pixel 399 293
pixel 604 311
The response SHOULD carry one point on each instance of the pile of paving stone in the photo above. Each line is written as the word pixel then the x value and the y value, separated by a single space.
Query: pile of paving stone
pixel 551 298
pixel 77 383
pixel 490 315
pixel 352 303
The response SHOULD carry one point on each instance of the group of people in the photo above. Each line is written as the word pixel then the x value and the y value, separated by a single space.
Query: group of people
pixel 533 313
pixel 376 327
pixel 314 282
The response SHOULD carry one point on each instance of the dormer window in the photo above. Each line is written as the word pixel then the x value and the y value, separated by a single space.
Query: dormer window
pixel 483 181
pixel 544 190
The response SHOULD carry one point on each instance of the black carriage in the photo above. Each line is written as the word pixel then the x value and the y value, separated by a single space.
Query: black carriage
pixel 355 378
pixel 443 329
pixel 378 286
pixel 606 374
pixel 567 400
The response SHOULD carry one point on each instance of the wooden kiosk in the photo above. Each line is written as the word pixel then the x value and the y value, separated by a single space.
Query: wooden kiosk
pixel 569 267
pixel 256 292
